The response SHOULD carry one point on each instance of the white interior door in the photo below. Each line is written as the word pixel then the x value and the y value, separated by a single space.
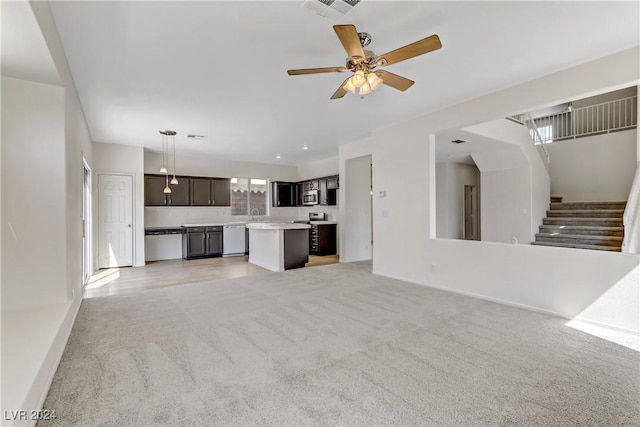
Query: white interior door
pixel 86 223
pixel 115 222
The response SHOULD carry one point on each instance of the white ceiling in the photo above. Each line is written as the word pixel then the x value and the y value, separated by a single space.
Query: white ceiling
pixel 449 152
pixel 219 68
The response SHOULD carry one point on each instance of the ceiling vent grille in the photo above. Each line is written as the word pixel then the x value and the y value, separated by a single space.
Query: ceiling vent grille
pixel 194 136
pixel 458 141
pixel 330 8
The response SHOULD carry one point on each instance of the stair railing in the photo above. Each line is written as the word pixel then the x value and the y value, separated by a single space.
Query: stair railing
pixel 631 218
pixel 540 142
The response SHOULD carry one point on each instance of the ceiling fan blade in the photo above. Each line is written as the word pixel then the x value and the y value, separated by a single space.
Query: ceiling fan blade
pixel 316 70
pixel 394 80
pixel 350 39
pixel 341 91
pixel 420 47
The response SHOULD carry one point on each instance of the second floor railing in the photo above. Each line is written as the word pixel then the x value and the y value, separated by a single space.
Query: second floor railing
pixel 595 119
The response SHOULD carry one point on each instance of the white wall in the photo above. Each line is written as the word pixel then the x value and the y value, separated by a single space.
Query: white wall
pixel 123 160
pixel 593 168
pixel 345 152
pixel 404 220
pixel 505 205
pixel 357 220
pixel 318 169
pixel 517 181
pixel 205 166
pixel 34 216
pixel 200 166
pixel 35 328
pixel 450 181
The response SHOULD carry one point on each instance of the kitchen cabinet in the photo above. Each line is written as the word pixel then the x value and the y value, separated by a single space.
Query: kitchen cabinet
pixel 298 194
pixel 322 192
pixel 210 192
pixel 322 239
pixel 154 191
pixel 179 192
pixel 282 194
pixel 333 182
pixel 202 242
pixel 328 194
pixel 221 191
pixel 311 185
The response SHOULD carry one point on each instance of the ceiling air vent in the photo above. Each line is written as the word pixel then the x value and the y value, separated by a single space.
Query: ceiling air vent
pixel 458 141
pixel 194 136
pixel 330 8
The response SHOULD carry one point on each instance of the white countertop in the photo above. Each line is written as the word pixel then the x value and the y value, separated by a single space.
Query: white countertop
pixel 276 226
pixel 213 224
pixel 275 221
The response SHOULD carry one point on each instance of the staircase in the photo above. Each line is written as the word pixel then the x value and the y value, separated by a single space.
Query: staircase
pixel 583 225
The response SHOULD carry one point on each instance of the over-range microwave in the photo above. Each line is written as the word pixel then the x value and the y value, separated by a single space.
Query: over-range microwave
pixel 310 197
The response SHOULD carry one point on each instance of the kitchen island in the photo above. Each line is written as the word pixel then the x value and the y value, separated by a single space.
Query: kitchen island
pixel 278 246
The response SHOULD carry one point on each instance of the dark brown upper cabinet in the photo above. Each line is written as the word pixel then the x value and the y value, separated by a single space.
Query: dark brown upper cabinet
pixel 153 190
pixel 282 194
pixel 179 192
pixel 187 192
pixel 333 182
pixel 210 192
pixel 221 192
pixel 200 192
pixel 154 194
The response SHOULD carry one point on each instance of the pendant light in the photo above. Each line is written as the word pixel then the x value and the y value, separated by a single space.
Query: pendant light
pixel 174 180
pixel 163 169
pixel 165 158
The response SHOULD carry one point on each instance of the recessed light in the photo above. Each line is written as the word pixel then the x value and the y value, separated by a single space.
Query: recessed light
pixel 450 155
pixel 305 148
pixel 278 156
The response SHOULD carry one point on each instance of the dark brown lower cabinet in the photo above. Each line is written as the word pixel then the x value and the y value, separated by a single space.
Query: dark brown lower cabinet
pixel 296 251
pixel 202 242
pixel 322 239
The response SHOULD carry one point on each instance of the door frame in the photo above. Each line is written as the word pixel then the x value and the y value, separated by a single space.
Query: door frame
pixel 133 212
pixel 87 222
pixel 474 209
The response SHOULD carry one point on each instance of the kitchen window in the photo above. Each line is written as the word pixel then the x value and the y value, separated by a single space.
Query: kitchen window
pixel 249 196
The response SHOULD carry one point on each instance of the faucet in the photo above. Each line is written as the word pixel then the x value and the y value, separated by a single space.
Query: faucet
pixel 251 213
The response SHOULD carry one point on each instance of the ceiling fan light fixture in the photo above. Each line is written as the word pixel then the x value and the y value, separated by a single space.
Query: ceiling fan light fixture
pixel 365 89
pixel 358 78
pixel 374 80
pixel 349 86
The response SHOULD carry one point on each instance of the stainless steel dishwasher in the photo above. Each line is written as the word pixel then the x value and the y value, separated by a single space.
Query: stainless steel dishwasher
pixel 233 240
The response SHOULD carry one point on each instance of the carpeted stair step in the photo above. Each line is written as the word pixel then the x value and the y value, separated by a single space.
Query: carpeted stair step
pixel 587 205
pixel 582 230
pixel 556 199
pixel 598 222
pixel 578 246
pixel 586 213
pixel 580 239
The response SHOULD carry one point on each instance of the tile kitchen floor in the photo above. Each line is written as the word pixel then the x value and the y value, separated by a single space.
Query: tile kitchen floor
pixel 158 274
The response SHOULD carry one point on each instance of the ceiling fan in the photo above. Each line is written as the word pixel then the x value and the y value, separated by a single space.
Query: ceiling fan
pixel 364 63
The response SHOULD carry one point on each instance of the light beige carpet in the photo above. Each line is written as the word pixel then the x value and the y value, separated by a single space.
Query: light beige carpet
pixel 334 345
